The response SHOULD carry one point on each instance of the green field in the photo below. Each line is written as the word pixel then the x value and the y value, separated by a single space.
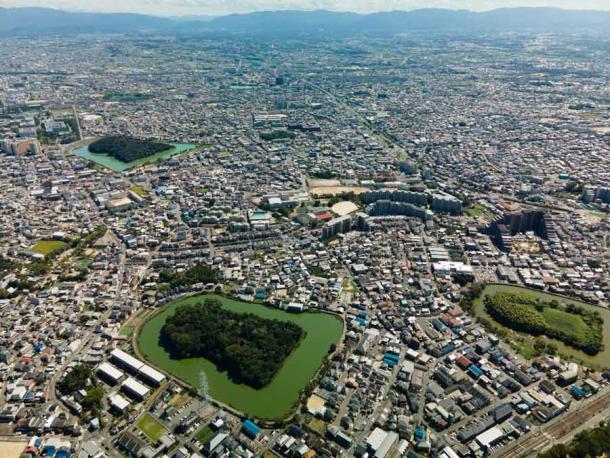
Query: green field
pixel 273 401
pixel 348 286
pixel 118 166
pixel 84 262
pixel 140 191
pixel 557 318
pixel 47 247
pixel 151 427
pixel 475 211
pixel 566 322
pixel 204 434
pixel 127 330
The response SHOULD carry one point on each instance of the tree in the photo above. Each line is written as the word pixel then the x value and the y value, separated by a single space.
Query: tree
pixel 198 273
pixel 93 400
pixel 127 149
pixel 250 348
pixel 75 380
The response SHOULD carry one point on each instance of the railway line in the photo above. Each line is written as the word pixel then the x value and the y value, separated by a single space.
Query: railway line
pixel 557 428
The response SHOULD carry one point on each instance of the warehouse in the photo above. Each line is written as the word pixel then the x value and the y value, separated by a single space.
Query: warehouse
pixel 490 437
pixel 134 389
pixel 151 376
pixel 126 361
pixel 109 373
pixel 380 442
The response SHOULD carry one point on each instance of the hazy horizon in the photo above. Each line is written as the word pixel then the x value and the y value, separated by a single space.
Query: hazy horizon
pixel 222 7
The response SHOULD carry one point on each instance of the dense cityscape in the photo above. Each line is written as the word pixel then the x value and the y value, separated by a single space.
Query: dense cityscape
pixel 372 247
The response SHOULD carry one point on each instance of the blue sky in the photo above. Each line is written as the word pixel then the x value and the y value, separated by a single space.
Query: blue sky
pixel 216 7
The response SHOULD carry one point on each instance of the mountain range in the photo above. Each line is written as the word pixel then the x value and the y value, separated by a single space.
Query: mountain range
pixel 43 21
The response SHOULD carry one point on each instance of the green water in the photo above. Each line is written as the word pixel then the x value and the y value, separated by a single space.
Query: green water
pixel 275 400
pixel 602 359
pixel 118 166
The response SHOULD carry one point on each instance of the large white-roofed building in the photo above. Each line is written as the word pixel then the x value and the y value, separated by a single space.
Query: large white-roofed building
pixel 151 376
pixel 126 361
pixel 109 373
pixel 134 389
pixel 118 403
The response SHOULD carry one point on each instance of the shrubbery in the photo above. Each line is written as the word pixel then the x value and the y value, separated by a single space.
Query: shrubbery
pixel 198 273
pixel 127 149
pixel 523 313
pixel 589 443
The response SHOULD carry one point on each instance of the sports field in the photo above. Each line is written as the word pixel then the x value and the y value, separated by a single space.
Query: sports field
pixel 47 247
pixel 151 427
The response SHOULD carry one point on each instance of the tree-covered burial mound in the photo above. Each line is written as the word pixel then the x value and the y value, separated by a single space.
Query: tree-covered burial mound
pixel 127 149
pixel 250 348
pixel 571 324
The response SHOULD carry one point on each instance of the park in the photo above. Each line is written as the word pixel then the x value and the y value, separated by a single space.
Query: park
pixel 274 400
pixel 111 162
pixel 532 314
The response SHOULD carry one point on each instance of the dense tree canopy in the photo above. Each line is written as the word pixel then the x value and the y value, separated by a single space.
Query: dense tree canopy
pixel 6 264
pixel 525 314
pixel 589 443
pixel 252 349
pixel 276 135
pixel 127 149
pixel 198 273
pixel 75 380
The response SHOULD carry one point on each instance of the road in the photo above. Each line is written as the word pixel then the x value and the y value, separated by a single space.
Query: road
pixel 80 132
pixel 400 152
pixel 86 339
pixel 381 402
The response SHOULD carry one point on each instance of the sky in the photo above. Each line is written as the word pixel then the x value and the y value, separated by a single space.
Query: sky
pixel 219 7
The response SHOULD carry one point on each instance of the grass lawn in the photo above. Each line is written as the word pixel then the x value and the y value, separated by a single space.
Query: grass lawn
pixel 151 427
pixel 47 247
pixel 475 211
pixel 567 322
pixel 525 347
pixel 317 425
pixel 348 286
pixel 571 324
pixel 84 262
pixel 140 191
pixel 127 330
pixel 204 434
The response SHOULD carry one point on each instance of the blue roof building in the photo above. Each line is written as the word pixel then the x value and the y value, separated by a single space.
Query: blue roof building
pixel 250 429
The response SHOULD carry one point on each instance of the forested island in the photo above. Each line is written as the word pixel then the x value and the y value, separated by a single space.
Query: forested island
pixel 250 348
pixel 127 149
pixel 571 324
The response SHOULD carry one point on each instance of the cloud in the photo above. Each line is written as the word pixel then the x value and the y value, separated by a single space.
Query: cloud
pixel 177 7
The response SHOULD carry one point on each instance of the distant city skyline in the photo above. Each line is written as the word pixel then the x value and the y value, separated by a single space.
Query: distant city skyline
pixel 221 7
